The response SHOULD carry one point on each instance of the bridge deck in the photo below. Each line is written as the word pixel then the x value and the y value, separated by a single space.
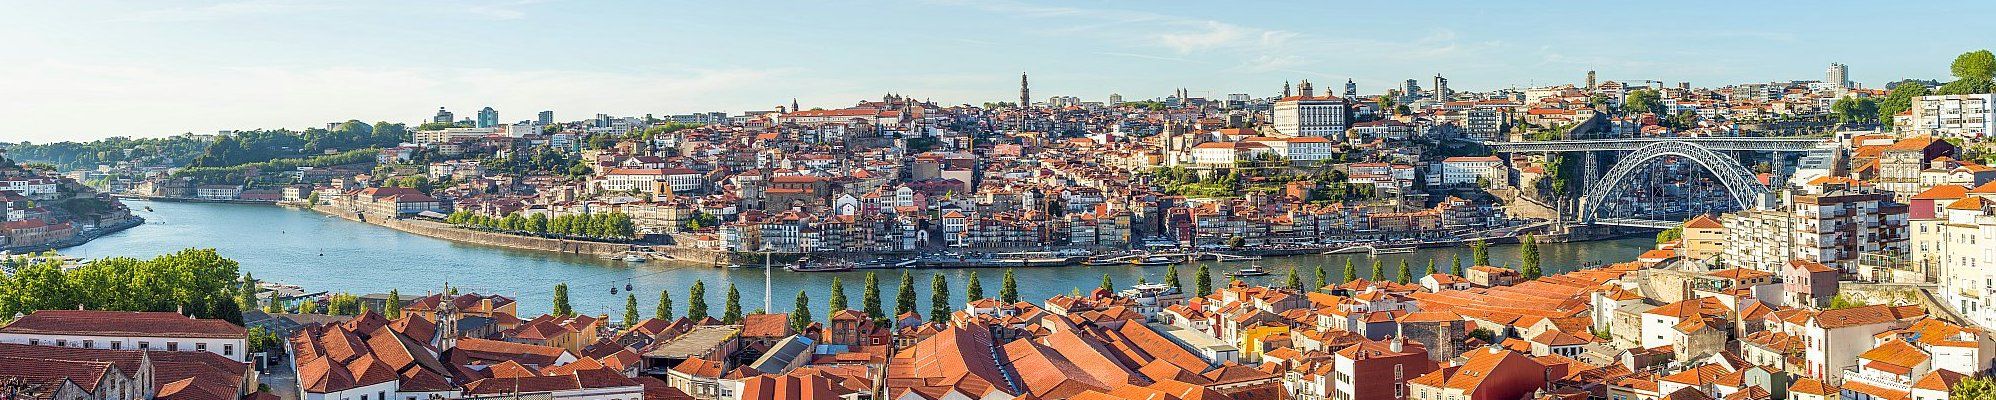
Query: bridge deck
pixel 1631 144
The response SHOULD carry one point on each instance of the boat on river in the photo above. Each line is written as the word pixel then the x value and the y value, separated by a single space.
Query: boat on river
pixel 1153 261
pixel 1251 270
pixel 1394 249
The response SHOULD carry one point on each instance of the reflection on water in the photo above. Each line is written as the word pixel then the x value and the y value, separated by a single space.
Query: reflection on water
pixel 331 254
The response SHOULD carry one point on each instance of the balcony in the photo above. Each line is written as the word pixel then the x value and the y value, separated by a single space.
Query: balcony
pixel 1878 378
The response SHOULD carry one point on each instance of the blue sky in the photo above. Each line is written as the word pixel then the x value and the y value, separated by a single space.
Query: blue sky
pixel 83 69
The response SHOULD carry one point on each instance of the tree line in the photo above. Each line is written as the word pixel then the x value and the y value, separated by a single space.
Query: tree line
pixel 196 282
pixel 613 225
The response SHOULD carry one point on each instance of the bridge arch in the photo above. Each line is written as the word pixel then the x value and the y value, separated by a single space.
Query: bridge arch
pixel 1738 180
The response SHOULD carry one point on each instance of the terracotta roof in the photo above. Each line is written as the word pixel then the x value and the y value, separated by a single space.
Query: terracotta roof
pixel 1942 192
pixel 122 324
pixel 1703 221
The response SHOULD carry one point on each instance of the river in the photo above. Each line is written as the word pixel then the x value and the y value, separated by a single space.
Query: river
pixel 323 253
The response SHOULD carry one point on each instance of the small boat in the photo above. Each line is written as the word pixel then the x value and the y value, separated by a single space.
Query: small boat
pixel 634 258
pixel 1153 260
pixel 627 287
pixel 1100 262
pixel 1393 250
pixel 148 208
pixel 613 290
pixel 1251 270
pixel 825 267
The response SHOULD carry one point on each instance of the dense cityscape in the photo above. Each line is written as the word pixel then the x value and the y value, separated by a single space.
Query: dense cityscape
pixel 1589 239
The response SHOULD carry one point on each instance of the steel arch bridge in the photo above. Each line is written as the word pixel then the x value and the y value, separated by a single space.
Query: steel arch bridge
pixel 1738 180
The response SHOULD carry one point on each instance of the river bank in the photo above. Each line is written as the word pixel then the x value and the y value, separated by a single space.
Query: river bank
pixel 322 253
pixel 79 239
pixel 450 232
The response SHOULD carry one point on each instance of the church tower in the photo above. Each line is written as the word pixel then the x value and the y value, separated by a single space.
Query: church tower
pixel 1025 95
pixel 1285 89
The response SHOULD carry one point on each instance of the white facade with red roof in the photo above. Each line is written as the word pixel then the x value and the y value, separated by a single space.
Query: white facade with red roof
pixel 123 330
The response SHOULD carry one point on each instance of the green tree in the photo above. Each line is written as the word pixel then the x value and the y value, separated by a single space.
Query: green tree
pixel 974 290
pixel 870 297
pixel 1457 259
pixel 1171 278
pixel 1202 281
pixel 1974 388
pixel 308 307
pixel 800 316
pixel 393 309
pixel 696 301
pixel 1378 270
pixel 1670 235
pixel 904 300
pixel 630 309
pixel 1974 65
pixel 1643 101
pixel 561 307
pixel 1008 291
pixel 1479 252
pixel 1901 99
pixel 1431 268
pixel 664 310
pixel 261 340
pixel 1323 277
pixel 343 304
pixel 1293 281
pixel 1349 273
pixel 1529 253
pixel 733 313
pixel 939 298
pixel 838 299
pixel 1406 273
pixel 246 293
pixel 1108 285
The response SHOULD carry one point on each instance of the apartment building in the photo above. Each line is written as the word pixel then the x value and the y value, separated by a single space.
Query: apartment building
pixel 1960 115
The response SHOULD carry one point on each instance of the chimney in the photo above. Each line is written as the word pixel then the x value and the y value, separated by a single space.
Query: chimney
pixel 1395 344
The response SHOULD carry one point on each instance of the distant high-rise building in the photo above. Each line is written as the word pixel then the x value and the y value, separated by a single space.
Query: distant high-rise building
pixel 1410 90
pixel 1351 88
pixel 444 116
pixel 1115 99
pixel 1838 75
pixel 1441 88
pixel 545 118
pixel 1025 94
pixel 488 117
pixel 1590 80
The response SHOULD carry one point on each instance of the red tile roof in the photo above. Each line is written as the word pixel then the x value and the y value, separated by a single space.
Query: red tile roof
pixel 122 324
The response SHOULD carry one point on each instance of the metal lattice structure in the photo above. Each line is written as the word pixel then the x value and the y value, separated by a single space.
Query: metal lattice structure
pixel 1632 144
pixel 1738 180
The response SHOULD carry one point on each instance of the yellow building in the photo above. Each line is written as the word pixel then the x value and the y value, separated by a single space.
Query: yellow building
pixel 1704 237
pixel 1252 338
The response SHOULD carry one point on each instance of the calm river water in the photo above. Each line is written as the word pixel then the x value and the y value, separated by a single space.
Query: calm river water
pixel 322 253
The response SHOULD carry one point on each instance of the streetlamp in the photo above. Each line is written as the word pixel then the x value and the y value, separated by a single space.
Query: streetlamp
pixel 767 251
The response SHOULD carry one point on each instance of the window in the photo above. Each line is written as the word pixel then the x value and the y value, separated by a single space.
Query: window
pixel 228 349
pixel 175 346
pixel 89 344
pixel 200 347
pixel 61 343
pixel 34 342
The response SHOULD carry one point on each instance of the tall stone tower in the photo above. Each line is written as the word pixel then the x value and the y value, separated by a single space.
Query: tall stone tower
pixel 1025 94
